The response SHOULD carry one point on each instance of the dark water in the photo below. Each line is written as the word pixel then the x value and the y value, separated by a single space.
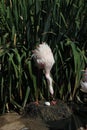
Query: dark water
pixel 78 120
pixel 75 122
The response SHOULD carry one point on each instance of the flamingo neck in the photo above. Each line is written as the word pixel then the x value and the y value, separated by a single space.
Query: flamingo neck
pixel 49 81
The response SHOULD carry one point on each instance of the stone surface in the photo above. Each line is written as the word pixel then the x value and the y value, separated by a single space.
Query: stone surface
pixel 58 117
pixel 38 117
pixel 14 121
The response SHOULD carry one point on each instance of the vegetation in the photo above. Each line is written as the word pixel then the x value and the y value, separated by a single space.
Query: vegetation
pixel 23 25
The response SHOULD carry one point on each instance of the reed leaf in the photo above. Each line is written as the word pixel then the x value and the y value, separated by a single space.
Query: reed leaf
pixel 26 23
pixel 26 96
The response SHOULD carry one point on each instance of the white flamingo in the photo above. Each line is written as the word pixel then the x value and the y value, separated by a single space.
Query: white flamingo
pixel 84 81
pixel 44 59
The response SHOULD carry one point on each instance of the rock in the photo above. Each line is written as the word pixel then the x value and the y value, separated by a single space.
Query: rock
pixel 25 128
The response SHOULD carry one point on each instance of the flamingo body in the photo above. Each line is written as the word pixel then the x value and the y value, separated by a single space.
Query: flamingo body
pixel 84 81
pixel 84 86
pixel 44 59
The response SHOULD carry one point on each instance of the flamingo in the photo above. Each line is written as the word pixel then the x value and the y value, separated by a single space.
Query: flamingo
pixel 84 81
pixel 44 59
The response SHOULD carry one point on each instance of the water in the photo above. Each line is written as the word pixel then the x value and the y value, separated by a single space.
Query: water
pixel 76 121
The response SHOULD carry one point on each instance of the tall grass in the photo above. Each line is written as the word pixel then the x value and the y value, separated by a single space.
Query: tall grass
pixel 23 25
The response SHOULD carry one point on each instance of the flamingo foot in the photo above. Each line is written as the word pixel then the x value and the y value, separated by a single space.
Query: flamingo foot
pixel 36 103
pixel 53 102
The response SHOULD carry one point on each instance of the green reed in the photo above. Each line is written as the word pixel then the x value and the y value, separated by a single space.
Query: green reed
pixel 23 25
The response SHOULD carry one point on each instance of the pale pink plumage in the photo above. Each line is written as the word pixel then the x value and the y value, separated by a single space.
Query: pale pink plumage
pixel 44 59
pixel 84 81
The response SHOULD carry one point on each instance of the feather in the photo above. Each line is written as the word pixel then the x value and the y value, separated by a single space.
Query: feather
pixel 44 59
